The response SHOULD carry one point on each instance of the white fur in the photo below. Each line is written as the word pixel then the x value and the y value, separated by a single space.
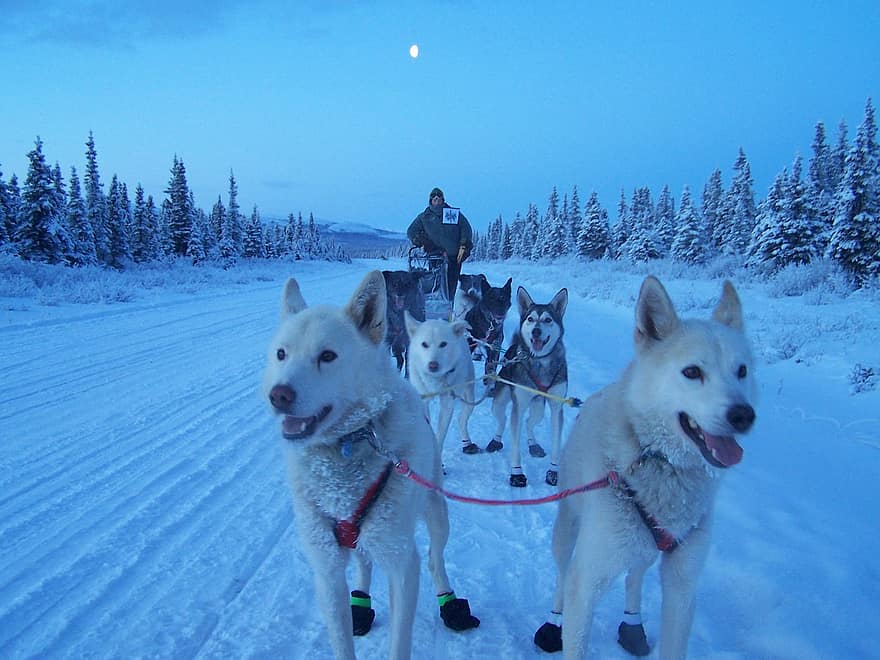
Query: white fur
pixel 440 364
pixel 329 357
pixel 599 535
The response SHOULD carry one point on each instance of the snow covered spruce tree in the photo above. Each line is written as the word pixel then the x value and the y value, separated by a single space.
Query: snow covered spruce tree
pixel 5 229
pixel 96 203
pixel 821 186
pixel 622 229
pixel 575 220
pixel 712 204
pixel 593 241
pixel 41 234
pixel 144 234
pixel 642 244
pixel 690 244
pixel 253 236
pixel 664 217
pixel 738 212
pixel 855 235
pixel 179 213
pixel 117 225
pixel 82 236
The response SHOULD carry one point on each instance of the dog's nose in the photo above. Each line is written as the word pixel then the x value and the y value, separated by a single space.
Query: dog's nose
pixel 536 332
pixel 741 417
pixel 282 397
pixel 433 366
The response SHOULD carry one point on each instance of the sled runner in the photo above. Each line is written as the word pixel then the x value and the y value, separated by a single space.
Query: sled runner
pixel 432 277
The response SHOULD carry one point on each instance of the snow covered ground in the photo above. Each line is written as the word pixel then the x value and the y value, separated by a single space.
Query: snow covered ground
pixel 144 510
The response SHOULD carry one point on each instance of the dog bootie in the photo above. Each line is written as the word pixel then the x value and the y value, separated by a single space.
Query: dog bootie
pixel 470 448
pixel 494 445
pixel 632 638
pixel 456 612
pixel 552 477
pixel 518 480
pixel 549 637
pixel 536 450
pixel 362 614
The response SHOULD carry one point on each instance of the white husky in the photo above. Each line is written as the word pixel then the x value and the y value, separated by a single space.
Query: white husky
pixel 440 363
pixel 661 436
pixel 346 415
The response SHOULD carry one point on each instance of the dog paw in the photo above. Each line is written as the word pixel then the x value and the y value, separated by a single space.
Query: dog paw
pixel 549 638
pixel 633 639
pixel 518 480
pixel 494 445
pixel 552 477
pixel 456 614
pixel 361 615
pixel 536 450
pixel 470 448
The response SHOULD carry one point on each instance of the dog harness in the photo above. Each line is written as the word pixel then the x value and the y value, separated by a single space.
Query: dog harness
pixel 348 531
pixel 663 539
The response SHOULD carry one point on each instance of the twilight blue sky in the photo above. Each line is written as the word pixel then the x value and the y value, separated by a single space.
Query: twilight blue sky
pixel 318 107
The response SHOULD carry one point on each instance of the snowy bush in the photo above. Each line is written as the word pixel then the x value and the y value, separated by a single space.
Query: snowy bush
pixel 862 379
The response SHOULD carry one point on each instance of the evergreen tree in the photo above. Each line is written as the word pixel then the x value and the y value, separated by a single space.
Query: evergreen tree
pixel 140 233
pixel 253 236
pixel 767 244
pixel 198 237
pixel 575 220
pixel 594 239
pixel 820 187
pixel 517 236
pixel 855 236
pixel 160 241
pixel 117 226
pixel 41 236
pixel 5 229
pixel 738 214
pixel 231 236
pixel 59 202
pixel 689 244
pixel 180 211
pixel 642 244
pixel 837 167
pixel 81 234
pixel 664 217
pixel 506 244
pixel 713 200
pixel 96 203
pixel 803 235
pixel 622 229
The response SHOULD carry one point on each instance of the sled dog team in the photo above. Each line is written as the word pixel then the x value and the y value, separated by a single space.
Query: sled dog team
pixel 361 455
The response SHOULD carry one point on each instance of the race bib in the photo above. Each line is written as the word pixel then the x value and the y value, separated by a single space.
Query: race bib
pixel 450 216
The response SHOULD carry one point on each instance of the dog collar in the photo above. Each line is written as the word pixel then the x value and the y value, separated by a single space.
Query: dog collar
pixel 347 442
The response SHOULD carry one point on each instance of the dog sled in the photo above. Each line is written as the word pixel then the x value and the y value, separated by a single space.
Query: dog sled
pixel 431 268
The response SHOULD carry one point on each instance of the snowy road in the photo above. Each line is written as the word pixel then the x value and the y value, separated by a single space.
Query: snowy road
pixel 144 513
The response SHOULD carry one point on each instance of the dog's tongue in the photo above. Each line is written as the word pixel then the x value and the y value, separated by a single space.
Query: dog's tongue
pixel 537 345
pixel 724 448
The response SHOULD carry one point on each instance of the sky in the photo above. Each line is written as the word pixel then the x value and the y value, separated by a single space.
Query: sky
pixel 318 107
pixel 144 511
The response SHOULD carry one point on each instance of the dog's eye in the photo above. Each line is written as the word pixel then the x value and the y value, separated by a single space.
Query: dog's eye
pixel 326 356
pixel 424 344
pixel 742 372
pixel 692 372
pixel 281 354
pixel 442 344
pixel 548 320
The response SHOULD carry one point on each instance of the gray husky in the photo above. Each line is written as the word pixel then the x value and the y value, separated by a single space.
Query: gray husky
pixel 535 360
pixel 659 438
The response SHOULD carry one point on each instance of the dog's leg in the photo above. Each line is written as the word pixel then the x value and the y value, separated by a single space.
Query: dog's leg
pixel 403 592
pixel 447 405
pixel 565 529
pixel 333 598
pixel 499 410
pixel 466 394
pixel 631 632
pixel 517 477
pixel 362 613
pixel 455 612
pixel 679 572
pixel 536 414
pixel 552 477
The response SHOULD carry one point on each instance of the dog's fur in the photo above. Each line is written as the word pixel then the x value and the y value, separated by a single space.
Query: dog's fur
pixel 486 321
pixel 336 394
pixel 667 427
pixel 468 294
pixel 404 294
pixel 534 359
pixel 440 363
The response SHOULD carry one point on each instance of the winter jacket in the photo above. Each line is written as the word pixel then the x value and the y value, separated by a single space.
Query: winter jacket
pixel 428 231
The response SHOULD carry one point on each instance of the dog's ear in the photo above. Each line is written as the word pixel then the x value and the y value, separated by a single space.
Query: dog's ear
pixel 508 284
pixel 460 327
pixel 729 309
pixel 292 301
pixel 485 286
pixel 412 324
pixel 523 300
pixel 560 302
pixel 655 315
pixel 367 307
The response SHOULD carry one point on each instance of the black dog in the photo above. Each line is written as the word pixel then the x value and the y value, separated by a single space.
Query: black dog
pixel 404 292
pixel 468 294
pixel 486 319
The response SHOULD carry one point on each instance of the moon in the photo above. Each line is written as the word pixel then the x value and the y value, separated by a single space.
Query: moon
pixel 414 51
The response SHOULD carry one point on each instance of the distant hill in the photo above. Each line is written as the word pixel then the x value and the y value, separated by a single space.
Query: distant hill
pixel 357 239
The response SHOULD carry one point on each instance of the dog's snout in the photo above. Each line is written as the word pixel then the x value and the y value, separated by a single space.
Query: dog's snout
pixel 282 397
pixel 741 417
pixel 433 365
pixel 536 331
